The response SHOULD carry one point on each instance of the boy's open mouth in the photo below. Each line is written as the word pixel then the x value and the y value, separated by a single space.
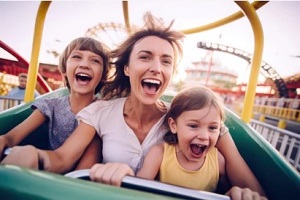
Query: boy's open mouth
pixel 83 78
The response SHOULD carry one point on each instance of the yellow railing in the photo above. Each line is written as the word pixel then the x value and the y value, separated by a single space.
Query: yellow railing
pixel 37 38
pixel 278 112
pixel 270 109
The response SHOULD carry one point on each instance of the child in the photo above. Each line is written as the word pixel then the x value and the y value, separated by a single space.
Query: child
pixel 188 157
pixel 84 66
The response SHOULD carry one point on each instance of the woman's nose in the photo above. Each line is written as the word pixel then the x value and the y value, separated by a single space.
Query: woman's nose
pixel 155 67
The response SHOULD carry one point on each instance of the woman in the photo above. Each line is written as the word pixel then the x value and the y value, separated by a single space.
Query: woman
pixel 130 119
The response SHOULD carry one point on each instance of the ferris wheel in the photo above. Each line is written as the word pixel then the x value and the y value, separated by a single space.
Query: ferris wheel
pixel 110 33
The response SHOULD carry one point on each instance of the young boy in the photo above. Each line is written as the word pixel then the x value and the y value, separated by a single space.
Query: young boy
pixel 84 65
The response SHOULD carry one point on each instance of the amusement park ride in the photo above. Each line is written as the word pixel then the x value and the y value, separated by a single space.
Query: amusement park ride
pixel 279 179
pixel 266 70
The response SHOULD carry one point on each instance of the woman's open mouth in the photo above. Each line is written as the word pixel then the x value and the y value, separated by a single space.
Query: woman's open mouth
pixel 151 85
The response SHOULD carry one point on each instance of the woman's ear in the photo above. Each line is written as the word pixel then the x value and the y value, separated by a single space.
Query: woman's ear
pixel 172 125
pixel 126 70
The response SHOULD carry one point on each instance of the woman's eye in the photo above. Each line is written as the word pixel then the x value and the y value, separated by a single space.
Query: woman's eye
pixel 145 57
pixel 167 62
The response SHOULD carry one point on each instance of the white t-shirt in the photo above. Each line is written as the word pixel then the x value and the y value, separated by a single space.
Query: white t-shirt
pixel 120 143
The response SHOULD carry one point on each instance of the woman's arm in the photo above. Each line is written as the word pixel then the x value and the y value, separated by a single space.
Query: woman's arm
pixel 92 155
pixel 224 184
pixel 237 169
pixel 113 173
pixel 110 173
pixel 60 160
pixel 237 193
pixel 21 131
pixel 23 156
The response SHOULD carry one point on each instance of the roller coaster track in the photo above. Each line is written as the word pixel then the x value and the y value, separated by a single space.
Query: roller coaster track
pixel 266 70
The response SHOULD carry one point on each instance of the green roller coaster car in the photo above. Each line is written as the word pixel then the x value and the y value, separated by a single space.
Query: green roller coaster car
pixel 279 179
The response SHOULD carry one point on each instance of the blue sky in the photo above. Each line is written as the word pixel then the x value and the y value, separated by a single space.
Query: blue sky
pixel 67 20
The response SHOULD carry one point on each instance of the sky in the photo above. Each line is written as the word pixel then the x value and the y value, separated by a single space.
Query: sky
pixel 67 20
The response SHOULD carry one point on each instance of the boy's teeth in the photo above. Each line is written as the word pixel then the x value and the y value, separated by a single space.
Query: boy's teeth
pixel 83 75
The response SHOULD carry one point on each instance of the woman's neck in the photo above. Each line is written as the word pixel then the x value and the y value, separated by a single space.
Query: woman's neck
pixel 140 117
pixel 143 113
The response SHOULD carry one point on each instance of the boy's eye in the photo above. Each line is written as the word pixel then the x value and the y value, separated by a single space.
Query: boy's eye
pixel 97 61
pixel 76 56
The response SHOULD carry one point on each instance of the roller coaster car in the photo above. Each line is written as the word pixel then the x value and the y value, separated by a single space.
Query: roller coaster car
pixel 278 178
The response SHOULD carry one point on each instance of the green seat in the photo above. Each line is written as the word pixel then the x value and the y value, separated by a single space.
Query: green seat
pixel 279 179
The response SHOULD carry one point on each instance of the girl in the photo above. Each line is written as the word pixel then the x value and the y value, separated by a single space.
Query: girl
pixel 189 158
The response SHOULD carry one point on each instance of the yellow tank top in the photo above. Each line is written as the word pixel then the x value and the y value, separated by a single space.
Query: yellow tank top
pixel 206 178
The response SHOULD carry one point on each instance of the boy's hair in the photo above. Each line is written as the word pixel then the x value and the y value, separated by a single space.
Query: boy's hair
pixel 22 75
pixel 86 44
pixel 193 98
pixel 119 85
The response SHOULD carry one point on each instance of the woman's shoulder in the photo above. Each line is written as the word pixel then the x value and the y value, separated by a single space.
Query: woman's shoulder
pixel 101 104
pixel 163 105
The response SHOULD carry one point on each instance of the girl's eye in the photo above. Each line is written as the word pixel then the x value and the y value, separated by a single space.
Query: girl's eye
pixel 213 128
pixel 193 125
